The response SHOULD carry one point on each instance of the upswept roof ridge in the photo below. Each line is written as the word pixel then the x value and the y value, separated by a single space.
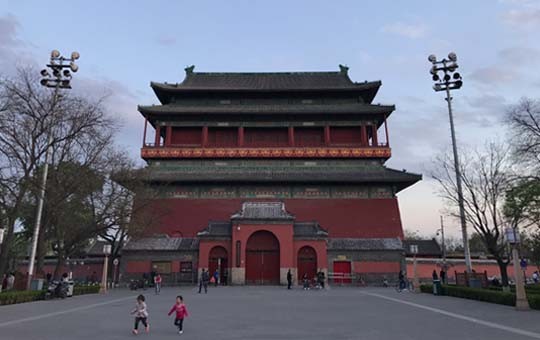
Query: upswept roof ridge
pixel 266 81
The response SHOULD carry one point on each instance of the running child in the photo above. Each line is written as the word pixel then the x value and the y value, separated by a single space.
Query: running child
pixel 141 315
pixel 181 312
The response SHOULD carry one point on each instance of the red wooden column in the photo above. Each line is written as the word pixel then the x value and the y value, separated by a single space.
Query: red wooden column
pixel 374 137
pixel 291 136
pixel 386 131
pixel 168 135
pixel 157 139
pixel 327 135
pixel 204 141
pixel 363 136
pixel 144 134
pixel 240 136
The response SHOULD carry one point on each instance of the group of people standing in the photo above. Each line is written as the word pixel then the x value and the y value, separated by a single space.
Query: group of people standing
pixel 205 279
pixel 319 280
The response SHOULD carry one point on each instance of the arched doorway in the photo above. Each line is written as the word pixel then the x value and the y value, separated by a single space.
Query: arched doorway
pixel 218 259
pixel 262 258
pixel 307 262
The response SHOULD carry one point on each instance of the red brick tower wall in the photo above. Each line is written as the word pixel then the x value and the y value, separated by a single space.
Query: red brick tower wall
pixel 357 218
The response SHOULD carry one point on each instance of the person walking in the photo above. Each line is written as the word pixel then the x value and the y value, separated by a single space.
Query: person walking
pixel 181 313
pixel 434 275
pixel 289 279
pixel 203 281
pixel 401 279
pixel 141 315
pixel 157 283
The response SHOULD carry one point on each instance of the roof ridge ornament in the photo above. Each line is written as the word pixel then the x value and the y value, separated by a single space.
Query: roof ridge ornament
pixel 343 69
pixel 189 69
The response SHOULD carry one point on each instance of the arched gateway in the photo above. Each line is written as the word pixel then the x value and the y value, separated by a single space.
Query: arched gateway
pixel 262 258
pixel 307 262
pixel 218 259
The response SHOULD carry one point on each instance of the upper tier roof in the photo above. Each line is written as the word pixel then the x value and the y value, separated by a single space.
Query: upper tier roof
pixel 266 82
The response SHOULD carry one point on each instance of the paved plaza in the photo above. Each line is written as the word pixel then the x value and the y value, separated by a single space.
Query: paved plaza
pixel 272 313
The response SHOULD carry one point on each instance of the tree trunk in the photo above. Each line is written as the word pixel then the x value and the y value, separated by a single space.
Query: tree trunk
pixel 503 268
pixel 60 262
pixel 4 248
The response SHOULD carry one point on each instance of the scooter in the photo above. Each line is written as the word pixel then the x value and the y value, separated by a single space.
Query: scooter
pixel 56 289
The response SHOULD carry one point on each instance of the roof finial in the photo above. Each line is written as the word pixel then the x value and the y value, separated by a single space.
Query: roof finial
pixel 343 69
pixel 189 69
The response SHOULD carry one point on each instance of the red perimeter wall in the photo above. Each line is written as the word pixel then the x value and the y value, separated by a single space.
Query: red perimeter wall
pixel 358 218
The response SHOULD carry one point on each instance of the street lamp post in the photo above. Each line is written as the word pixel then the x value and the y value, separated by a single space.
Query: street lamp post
pixel 512 236
pixel 451 80
pixel 106 251
pixel 443 246
pixel 416 280
pixel 60 78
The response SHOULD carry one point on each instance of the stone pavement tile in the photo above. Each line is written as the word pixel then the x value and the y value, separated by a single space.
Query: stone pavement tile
pixel 261 313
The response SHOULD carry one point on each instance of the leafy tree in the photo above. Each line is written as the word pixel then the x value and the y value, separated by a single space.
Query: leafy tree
pixel 522 206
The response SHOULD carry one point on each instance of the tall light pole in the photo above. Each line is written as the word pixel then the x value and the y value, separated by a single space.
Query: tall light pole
pixel 441 231
pixel 451 80
pixel 58 78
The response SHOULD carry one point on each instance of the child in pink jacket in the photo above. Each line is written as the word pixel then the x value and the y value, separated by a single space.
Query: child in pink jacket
pixel 181 312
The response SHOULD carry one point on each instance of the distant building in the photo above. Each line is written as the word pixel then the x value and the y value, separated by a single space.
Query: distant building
pixel 265 172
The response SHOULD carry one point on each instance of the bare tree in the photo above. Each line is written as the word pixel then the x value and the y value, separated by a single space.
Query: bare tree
pixel 30 113
pixel 486 177
pixel 524 121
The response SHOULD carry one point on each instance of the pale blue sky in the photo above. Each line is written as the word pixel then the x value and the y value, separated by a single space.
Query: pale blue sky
pixel 126 44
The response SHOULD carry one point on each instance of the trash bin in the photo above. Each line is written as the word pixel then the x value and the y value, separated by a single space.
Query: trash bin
pixel 437 289
pixel 36 284
pixel 70 286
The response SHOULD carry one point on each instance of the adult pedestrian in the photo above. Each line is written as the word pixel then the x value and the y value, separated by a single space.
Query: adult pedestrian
pixel 216 278
pixel 10 281
pixel 144 280
pixel 442 275
pixel 401 279
pixel 203 281
pixel 157 283
pixel 322 278
pixel 225 277
pixel 434 275
pixel 289 279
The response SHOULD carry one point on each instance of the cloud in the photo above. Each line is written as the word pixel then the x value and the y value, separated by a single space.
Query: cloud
pixel 166 40
pixel 411 31
pixel 520 55
pixel 13 51
pixel 526 17
pixel 486 101
pixel 494 75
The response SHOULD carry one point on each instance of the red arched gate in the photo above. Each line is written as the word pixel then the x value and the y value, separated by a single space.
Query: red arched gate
pixel 262 258
pixel 307 263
